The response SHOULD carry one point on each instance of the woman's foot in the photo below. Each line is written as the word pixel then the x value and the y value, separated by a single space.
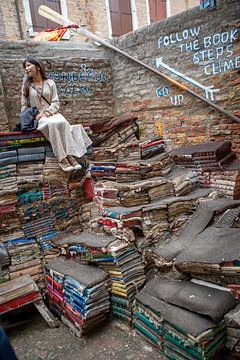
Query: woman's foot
pixel 65 165
pixel 73 162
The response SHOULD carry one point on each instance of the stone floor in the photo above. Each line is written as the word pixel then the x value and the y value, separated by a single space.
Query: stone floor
pixel 114 341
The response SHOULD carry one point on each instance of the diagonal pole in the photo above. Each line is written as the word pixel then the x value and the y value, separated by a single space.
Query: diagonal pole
pixel 50 14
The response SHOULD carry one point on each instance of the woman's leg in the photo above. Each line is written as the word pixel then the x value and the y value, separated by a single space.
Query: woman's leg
pixel 64 141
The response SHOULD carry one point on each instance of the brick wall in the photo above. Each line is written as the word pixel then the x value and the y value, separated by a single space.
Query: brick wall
pixel 82 73
pixel 179 6
pixel 202 44
pixel 89 13
pixel 2 27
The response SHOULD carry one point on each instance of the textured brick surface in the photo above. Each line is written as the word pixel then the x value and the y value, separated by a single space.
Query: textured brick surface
pixel 202 57
pixel 82 73
pixel 91 14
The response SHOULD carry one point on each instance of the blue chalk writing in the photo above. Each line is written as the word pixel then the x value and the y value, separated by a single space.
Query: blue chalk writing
pixel 162 91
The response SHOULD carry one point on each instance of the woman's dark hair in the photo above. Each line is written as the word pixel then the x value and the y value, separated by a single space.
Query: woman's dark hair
pixel 28 80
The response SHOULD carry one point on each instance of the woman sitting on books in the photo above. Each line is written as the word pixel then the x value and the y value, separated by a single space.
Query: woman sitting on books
pixel 68 142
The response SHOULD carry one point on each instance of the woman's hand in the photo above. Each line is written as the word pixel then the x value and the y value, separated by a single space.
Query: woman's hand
pixel 39 116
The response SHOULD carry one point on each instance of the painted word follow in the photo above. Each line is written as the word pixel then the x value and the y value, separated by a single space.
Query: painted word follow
pixel 178 37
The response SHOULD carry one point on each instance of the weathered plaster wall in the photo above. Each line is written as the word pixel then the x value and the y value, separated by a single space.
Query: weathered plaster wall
pixel 204 45
pixel 82 73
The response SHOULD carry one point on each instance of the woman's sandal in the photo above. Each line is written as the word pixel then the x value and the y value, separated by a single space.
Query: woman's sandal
pixel 73 162
pixel 65 165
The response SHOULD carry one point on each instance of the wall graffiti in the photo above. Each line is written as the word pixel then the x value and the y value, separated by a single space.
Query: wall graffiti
pixel 78 82
pixel 214 53
pixel 209 90
pixel 176 99
pixel 215 49
pixel 162 91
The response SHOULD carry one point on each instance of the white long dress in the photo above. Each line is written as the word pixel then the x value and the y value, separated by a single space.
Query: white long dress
pixel 65 139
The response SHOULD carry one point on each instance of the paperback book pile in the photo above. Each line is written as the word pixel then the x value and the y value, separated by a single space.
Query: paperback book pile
pixel 164 314
pixel 121 217
pixel 26 259
pixel 129 150
pixel 79 294
pixel 4 264
pixel 109 193
pixel 127 275
pixel 8 161
pixel 201 260
pixel 212 226
pixel 125 171
pixel 226 182
pixel 205 157
pixel 232 320
pixel 151 148
pixel 185 183
pixel 9 140
pixel 17 293
pixel 86 247
pixel 46 245
pixel 112 132
pixel 119 259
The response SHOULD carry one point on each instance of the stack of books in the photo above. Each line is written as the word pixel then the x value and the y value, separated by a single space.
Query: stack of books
pixel 78 293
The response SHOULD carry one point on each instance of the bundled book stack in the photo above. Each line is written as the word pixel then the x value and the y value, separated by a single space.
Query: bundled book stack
pixel 127 275
pixel 232 320
pixel 222 267
pixel 46 245
pixel 116 131
pixel 26 259
pixel 154 223
pixel 225 182
pixel 4 264
pixel 165 311
pixel 109 193
pixel 214 225
pixel 185 183
pixel 8 161
pixel 85 248
pixel 30 165
pixel 119 259
pixel 121 217
pixel 216 166
pixel 129 150
pixel 205 157
pixel 151 148
pixel 17 293
pixel 17 139
pixel 127 171
pixel 79 294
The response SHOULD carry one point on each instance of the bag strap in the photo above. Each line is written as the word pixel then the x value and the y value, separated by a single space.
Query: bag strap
pixel 40 94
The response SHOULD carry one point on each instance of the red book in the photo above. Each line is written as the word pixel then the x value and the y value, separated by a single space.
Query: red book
pixel 19 302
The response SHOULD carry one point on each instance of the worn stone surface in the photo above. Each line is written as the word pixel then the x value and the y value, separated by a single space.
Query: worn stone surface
pixel 115 340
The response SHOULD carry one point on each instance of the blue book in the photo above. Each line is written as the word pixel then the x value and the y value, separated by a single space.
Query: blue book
pixel 8 154
pixel 33 157
pixel 31 150
pixel 8 161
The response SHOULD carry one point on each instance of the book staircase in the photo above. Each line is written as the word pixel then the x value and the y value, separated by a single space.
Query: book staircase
pixel 133 235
